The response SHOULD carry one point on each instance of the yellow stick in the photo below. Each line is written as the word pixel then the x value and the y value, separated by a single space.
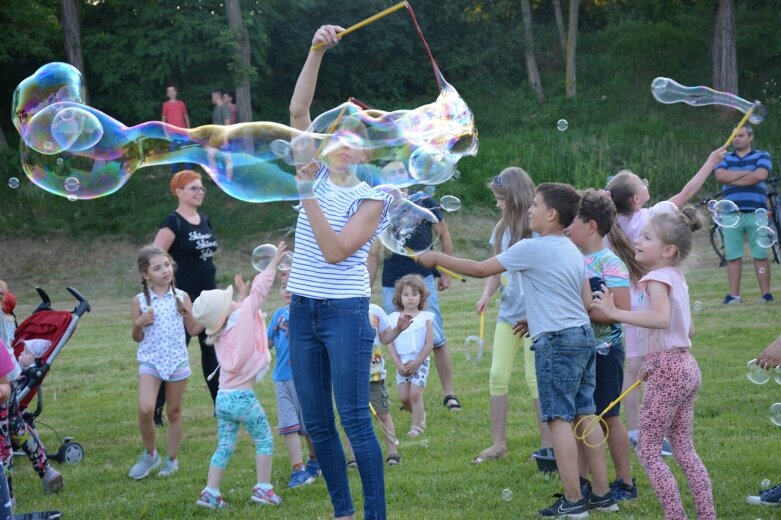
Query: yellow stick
pixel 740 125
pixel 482 325
pixel 330 131
pixel 450 273
pixel 365 22
pixel 620 397
pixel 588 428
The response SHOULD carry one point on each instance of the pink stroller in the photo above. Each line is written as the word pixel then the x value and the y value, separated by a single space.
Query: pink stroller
pixel 56 327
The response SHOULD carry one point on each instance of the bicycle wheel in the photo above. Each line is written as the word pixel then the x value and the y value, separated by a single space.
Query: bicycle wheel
pixel 775 222
pixel 717 243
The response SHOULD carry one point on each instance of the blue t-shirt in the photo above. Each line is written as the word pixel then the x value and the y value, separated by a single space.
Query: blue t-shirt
pixel 277 332
pixel 747 198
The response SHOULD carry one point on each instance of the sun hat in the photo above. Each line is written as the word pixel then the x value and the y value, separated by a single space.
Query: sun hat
pixel 212 308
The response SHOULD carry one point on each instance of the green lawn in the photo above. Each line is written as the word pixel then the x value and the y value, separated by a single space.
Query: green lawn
pixel 91 395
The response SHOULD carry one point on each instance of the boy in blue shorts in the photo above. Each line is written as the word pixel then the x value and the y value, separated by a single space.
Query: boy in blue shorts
pixel 291 421
pixel 557 294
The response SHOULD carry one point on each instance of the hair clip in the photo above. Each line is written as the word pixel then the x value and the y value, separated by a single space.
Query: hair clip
pixel 605 191
pixel 498 180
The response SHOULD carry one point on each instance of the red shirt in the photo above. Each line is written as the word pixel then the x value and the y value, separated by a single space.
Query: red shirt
pixel 174 113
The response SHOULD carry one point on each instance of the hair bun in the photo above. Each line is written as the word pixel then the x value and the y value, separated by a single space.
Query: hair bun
pixel 691 217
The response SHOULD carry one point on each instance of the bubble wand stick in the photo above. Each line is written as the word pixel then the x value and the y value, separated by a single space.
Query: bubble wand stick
pixel 482 325
pixel 740 125
pixel 588 428
pixel 365 22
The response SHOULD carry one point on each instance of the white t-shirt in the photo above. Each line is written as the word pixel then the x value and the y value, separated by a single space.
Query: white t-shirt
pixel 410 342
pixel 553 274
pixel 632 225
pixel 379 322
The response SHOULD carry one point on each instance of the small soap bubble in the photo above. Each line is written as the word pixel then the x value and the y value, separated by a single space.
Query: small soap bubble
pixel 286 263
pixel 507 494
pixel 72 198
pixel 777 375
pixel 603 348
pixel 761 270
pixel 765 484
pixel 13 183
pixel 760 217
pixel 424 443
pixel 262 255
pixel 697 305
pixel 757 374
pixel 610 179
pixel 48 145
pixel 562 125
pixel 59 161
pixel 450 203
pixel 712 205
pixel 72 184
pixel 473 348
pixel 775 414
pixel 766 237
pixel 725 214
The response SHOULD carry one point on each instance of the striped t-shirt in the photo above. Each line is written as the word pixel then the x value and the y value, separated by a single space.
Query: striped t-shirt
pixel 747 198
pixel 311 275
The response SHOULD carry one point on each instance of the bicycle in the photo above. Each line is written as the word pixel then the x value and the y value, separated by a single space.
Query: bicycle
pixel 716 234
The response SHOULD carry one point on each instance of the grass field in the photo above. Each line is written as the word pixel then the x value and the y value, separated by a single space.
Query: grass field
pixel 91 395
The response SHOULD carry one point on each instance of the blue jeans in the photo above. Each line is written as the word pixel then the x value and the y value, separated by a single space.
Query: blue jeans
pixel 432 305
pixel 331 343
pixel 565 364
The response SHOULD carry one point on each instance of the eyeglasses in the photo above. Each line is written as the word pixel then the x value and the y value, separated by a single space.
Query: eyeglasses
pixel 196 189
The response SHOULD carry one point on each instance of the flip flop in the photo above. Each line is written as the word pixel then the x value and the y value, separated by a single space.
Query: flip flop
pixel 352 463
pixel 415 431
pixel 393 460
pixel 452 403
pixel 484 457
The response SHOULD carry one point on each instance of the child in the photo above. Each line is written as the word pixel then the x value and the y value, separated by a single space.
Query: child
pixel 384 334
pixel 238 333
pixel 411 348
pixel 670 371
pixel 7 317
pixel 630 194
pixel 291 420
pixel 33 349
pixel 593 222
pixel 557 295
pixel 7 366
pixel 160 314
pixel 514 192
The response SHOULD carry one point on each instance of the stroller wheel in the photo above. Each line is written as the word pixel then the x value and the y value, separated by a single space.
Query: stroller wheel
pixel 70 453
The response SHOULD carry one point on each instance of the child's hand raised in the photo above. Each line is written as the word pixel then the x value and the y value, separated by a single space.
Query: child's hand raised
pixel 326 36
pixel 281 251
pixel 242 287
pixel 403 322
pixel 717 155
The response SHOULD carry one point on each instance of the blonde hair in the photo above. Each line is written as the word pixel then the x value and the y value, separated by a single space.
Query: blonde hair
pixel 677 229
pixel 515 186
pixel 145 256
pixel 415 282
pixel 622 188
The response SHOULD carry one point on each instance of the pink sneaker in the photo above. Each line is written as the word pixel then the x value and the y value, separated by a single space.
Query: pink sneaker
pixel 266 498
pixel 211 501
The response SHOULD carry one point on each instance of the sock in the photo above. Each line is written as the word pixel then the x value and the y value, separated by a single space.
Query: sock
pixel 264 486
pixel 213 492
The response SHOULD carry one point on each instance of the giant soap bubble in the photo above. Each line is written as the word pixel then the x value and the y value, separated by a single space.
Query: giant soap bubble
pixel 255 162
pixel 668 91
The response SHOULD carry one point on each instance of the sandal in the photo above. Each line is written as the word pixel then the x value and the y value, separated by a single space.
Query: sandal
pixel 393 460
pixel 352 464
pixel 487 455
pixel 452 403
pixel 415 431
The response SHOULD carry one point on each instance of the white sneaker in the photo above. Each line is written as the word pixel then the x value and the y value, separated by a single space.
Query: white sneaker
pixel 169 467
pixel 145 464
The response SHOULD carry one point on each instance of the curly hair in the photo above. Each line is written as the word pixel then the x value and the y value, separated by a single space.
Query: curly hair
pixel 415 282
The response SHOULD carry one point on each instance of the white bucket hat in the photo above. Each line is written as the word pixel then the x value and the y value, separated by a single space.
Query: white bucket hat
pixel 212 308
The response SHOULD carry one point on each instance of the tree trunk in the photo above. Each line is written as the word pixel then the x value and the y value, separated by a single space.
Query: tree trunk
pixel 3 142
pixel 560 26
pixel 531 65
pixel 725 60
pixel 242 60
pixel 71 26
pixel 572 43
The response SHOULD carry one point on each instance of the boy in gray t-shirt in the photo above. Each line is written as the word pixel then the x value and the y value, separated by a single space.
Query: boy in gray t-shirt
pixel 557 294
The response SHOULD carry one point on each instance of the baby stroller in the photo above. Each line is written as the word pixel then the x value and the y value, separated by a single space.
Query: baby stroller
pixel 56 327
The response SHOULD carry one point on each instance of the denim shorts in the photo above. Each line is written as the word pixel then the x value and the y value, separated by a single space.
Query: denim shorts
pixel 610 380
pixel 565 364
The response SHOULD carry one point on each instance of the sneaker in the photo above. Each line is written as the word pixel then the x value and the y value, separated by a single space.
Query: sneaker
pixel 51 480
pixel 606 503
pixel 767 497
pixel 585 487
pixel 210 501
pixel 732 299
pixel 563 508
pixel 266 498
pixel 145 464
pixel 623 491
pixel 767 298
pixel 667 448
pixel 633 443
pixel 313 468
pixel 300 477
pixel 169 467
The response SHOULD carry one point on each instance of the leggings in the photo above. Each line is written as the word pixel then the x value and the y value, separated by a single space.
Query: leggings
pixel 234 408
pixel 18 434
pixel 506 346
pixel 668 409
